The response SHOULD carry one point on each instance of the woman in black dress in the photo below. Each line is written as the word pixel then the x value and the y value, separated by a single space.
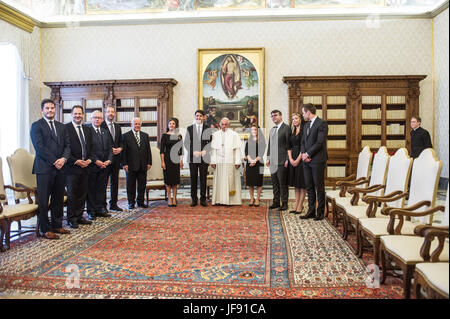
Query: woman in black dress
pixel 296 176
pixel 254 169
pixel 172 160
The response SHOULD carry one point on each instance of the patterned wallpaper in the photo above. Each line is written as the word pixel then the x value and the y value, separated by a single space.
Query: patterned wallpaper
pixel 441 88
pixel 351 47
pixel 28 45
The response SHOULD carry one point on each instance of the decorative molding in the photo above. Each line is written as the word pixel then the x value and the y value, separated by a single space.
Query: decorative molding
pixel 16 18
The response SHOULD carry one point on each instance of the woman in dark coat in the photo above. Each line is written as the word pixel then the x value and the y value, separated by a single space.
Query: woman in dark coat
pixel 172 160
pixel 254 169
pixel 296 176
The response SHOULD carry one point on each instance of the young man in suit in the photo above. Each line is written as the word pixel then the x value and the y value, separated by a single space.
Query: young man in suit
pixel 102 157
pixel 198 137
pixel 420 138
pixel 278 160
pixel 113 170
pixel 136 161
pixel 76 170
pixel 52 146
pixel 314 156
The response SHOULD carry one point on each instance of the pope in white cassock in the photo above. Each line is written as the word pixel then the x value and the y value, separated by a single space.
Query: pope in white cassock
pixel 226 161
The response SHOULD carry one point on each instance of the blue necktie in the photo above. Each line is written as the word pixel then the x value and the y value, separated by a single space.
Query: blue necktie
pixel 83 143
pixel 53 128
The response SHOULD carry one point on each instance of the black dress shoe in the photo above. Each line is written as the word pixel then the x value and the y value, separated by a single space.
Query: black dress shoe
pixel 73 225
pixel 116 208
pixel 92 217
pixel 84 221
pixel 293 212
pixel 143 205
pixel 309 215
pixel 284 207
pixel 193 204
pixel 273 206
pixel 318 218
pixel 203 204
pixel 130 206
pixel 102 214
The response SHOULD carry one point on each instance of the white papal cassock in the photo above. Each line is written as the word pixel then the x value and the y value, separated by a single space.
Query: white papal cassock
pixel 226 153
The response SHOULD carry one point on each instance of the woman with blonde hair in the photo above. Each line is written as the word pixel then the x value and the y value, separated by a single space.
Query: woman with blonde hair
pixel 295 169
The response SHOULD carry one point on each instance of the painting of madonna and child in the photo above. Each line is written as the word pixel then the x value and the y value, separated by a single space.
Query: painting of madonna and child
pixel 232 84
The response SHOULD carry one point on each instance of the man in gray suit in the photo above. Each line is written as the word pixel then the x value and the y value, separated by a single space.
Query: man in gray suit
pixel 278 160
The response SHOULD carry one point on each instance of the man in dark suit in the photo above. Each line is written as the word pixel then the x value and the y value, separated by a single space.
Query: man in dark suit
pixel 76 169
pixel 420 138
pixel 278 160
pixel 196 142
pixel 314 156
pixel 136 161
pixel 102 157
pixel 52 146
pixel 113 170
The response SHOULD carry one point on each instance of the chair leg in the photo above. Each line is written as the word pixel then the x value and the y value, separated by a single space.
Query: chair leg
pixel 2 234
pixel 408 272
pixel 8 234
pixel 383 265
pixel 417 286
pixel 376 251
pixel 345 222
pixel 38 233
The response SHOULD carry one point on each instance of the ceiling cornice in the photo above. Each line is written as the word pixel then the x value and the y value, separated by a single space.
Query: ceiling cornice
pixel 17 18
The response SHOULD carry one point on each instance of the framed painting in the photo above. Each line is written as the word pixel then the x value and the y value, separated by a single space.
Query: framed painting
pixel 231 84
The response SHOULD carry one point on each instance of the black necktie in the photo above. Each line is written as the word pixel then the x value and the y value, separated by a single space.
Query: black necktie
pixel 100 136
pixel 53 128
pixel 83 143
pixel 309 128
pixel 111 128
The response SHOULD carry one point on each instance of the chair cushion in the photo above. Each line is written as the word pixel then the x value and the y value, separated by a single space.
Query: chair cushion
pixel 436 274
pixel 10 211
pixel 407 248
pixel 359 212
pixel 378 226
pixel 156 183
pixel 333 193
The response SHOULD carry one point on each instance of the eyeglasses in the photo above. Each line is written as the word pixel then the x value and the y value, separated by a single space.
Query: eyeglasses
pixel 97 117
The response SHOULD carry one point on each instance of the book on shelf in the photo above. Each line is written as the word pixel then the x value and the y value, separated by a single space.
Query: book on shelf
pixel 336 171
pixel 125 116
pixel 148 102
pixel 395 114
pixel 94 104
pixel 395 128
pixel 395 143
pixel 336 114
pixel 336 144
pixel 371 130
pixel 127 102
pixel 400 99
pixel 371 143
pixel 337 129
pixel 150 130
pixel 67 105
pixel 372 114
pixel 312 99
pixel 148 116
pixel 336 100
pixel 371 99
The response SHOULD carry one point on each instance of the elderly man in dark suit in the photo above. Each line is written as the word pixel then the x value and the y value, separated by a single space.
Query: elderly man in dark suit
pixel 98 170
pixel 277 154
pixel 420 138
pixel 314 156
pixel 52 145
pixel 198 137
pixel 136 161
pixel 76 170
pixel 113 170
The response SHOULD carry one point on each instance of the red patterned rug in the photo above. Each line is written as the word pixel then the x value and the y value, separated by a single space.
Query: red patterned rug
pixel 185 252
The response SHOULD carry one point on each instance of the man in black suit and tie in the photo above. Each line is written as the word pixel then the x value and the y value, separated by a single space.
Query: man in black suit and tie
pixel 76 169
pixel 113 169
pixel 197 141
pixel 278 160
pixel 314 156
pixel 52 147
pixel 102 156
pixel 420 138
pixel 136 161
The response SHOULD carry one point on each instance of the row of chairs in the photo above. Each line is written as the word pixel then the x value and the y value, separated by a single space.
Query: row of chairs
pixel 396 223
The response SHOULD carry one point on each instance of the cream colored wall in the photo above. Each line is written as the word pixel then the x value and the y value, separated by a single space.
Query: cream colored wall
pixel 441 88
pixel 28 45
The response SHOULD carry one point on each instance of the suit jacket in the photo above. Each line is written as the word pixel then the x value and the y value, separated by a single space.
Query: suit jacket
pixel 283 135
pixel 204 144
pixel 420 140
pixel 315 143
pixel 76 150
pixel 101 147
pixel 116 141
pixel 48 148
pixel 137 158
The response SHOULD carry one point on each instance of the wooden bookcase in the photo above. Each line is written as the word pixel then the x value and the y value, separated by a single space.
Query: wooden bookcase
pixel 360 110
pixel 149 99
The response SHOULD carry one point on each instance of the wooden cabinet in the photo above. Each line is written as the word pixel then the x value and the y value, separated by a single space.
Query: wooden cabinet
pixel 149 99
pixel 360 111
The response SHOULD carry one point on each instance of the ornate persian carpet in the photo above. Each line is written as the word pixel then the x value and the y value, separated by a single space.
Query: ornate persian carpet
pixel 185 252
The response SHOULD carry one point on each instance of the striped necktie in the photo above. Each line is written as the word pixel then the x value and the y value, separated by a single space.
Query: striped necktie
pixel 138 140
